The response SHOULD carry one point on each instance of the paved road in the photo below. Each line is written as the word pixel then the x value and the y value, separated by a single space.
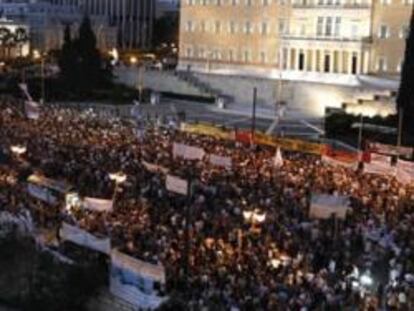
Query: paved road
pixel 234 117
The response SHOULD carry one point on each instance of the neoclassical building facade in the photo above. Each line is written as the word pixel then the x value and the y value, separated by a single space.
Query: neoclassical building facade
pixel 311 40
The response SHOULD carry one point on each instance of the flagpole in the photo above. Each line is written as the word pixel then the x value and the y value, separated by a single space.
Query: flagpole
pixel 400 123
pixel 253 129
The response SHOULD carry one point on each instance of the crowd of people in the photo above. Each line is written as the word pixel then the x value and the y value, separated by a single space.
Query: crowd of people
pixel 289 261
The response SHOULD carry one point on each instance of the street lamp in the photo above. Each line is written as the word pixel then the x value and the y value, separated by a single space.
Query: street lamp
pixel 18 150
pixel 133 60
pixel 118 178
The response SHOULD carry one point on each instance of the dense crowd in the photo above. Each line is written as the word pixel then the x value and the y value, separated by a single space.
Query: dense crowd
pixel 287 262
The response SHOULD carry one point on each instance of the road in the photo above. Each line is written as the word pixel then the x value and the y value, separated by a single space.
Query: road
pixel 234 117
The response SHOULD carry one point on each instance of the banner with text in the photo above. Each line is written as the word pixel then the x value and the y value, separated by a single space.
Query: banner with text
pixel 98 205
pixel 134 280
pixel 405 172
pixel 176 184
pixel 220 161
pixel 323 206
pixel 187 152
pixel 390 149
pixel 379 164
pixel 85 239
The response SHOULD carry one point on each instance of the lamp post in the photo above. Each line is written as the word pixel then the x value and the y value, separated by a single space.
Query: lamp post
pixel 253 218
pixel 118 178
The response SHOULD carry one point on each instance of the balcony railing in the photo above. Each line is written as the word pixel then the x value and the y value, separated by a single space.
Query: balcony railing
pixel 327 38
pixel 335 6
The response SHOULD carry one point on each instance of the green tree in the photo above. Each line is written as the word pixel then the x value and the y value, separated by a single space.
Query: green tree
pixel 405 99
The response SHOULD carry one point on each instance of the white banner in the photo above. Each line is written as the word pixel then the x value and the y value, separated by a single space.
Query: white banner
pixel 379 164
pixel 187 152
pixel 220 161
pixel 98 205
pixel 405 172
pixel 390 149
pixel 85 239
pixel 133 280
pixel 177 185
pixel 324 205
pixel 41 193
pixel 337 163
pixel 154 168
pixel 32 110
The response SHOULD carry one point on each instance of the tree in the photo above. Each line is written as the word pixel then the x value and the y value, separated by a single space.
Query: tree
pixel 68 59
pixel 80 61
pixel 405 99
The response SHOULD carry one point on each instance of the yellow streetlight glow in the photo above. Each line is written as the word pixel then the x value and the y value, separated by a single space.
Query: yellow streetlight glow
pixel 119 178
pixel 133 60
pixel 19 150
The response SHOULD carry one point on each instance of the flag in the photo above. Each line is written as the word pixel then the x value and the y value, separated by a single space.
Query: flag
pixel 277 159
pixel 176 184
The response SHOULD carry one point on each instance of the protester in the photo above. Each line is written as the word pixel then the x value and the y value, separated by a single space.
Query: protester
pixel 287 262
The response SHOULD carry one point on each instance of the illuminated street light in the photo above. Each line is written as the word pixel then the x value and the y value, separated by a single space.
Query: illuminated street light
pixel 118 178
pixel 18 150
pixel 36 54
pixel 254 216
pixel 133 60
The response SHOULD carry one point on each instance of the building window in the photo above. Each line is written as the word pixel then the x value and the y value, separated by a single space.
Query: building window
pixel 264 28
pixel 337 26
pixel 232 27
pixel 328 26
pixel 319 28
pixel 265 2
pixel 249 2
pixel 404 32
pixel 217 27
pixel 189 26
pixel 385 2
pixel 246 56
pixel 263 58
pixel 189 2
pixel 354 64
pixel 400 65
pixel 303 30
pixel 248 28
pixel 382 64
pixel 234 2
pixel 189 52
pixel 383 32
pixel 407 2
pixel 282 29
pixel 301 61
pixel 231 55
pixel 327 63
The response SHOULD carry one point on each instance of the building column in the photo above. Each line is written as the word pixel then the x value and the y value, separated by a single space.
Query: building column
pixel 332 61
pixel 340 61
pixel 288 58
pixel 314 60
pixel 366 62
